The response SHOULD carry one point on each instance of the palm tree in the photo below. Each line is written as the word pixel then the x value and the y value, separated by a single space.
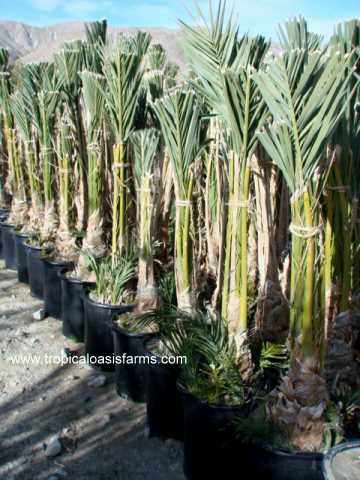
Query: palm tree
pixel 69 61
pixel 145 144
pixel 94 104
pixel 18 214
pixel 43 114
pixel 225 67
pixel 179 114
pixel 26 133
pixel 4 60
pixel 123 73
pixel 305 93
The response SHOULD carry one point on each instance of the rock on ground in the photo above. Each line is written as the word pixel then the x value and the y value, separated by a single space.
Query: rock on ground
pixel 101 435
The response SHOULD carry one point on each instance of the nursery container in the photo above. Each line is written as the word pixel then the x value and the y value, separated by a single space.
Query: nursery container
pixel 21 257
pixel 2 220
pixel 342 462
pixel 99 344
pixel 130 377
pixel 163 400
pixel 52 286
pixel 8 241
pixel 3 216
pixel 35 270
pixel 72 307
pixel 275 464
pixel 210 445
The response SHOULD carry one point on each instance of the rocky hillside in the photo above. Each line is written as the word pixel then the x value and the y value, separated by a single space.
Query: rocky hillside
pixel 32 44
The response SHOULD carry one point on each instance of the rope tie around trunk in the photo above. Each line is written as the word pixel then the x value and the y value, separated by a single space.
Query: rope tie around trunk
pixel 143 190
pixel 305 232
pixel 239 204
pixel 339 188
pixel 45 151
pixel 93 147
pixel 120 165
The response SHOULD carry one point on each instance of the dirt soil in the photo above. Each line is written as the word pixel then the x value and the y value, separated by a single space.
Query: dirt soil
pixel 102 436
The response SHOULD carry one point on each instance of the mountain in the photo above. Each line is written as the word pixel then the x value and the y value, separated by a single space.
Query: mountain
pixel 33 44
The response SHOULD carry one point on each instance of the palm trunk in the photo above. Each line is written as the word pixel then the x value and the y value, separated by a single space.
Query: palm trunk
pixel 119 226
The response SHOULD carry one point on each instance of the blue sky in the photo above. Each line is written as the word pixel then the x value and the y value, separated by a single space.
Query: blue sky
pixel 260 16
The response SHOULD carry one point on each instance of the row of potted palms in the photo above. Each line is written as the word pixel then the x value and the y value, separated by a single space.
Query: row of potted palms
pixel 212 215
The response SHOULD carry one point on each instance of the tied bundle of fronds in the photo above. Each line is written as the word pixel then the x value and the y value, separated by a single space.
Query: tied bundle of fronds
pixel 4 60
pixel 93 99
pixel 341 275
pixel 179 114
pixel 96 36
pixel 123 73
pixel 160 74
pixel 66 156
pixel 306 94
pixel 225 67
pixel 69 62
pixel 44 119
pixel 145 144
pixel 24 105
pixel 15 179
pixel 21 109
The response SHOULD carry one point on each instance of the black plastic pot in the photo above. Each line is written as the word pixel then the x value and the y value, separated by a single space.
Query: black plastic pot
pixel 342 462
pixel 52 286
pixel 99 345
pixel 35 271
pixel 165 416
pixel 8 241
pixel 274 464
pixel 21 257
pixel 210 445
pixel 72 307
pixel 130 377
pixel 3 216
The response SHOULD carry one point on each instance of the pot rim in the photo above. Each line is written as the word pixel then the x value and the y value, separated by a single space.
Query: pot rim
pixel 85 296
pixel 63 276
pixel 33 247
pixel 21 235
pixel 331 454
pixel 7 225
pixel 50 261
pixel 142 335
pixel 298 454
pixel 184 391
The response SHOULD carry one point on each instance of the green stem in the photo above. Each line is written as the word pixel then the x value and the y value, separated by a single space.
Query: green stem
pixel 308 305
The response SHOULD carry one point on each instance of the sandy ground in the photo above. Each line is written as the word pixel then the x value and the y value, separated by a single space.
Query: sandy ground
pixel 102 436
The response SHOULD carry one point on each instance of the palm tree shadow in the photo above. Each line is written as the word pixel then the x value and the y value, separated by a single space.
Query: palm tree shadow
pixel 102 434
